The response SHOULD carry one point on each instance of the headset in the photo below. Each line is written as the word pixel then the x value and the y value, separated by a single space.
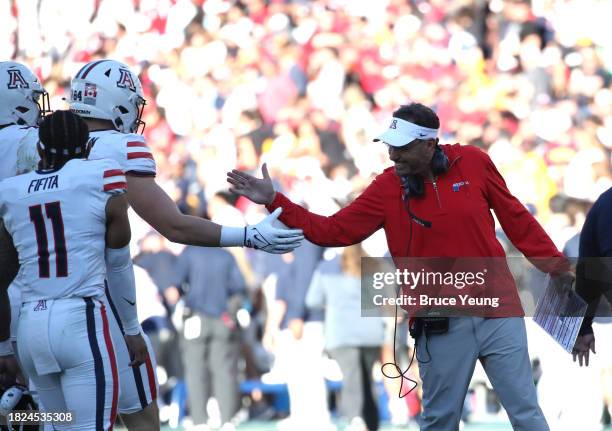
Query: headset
pixel 414 185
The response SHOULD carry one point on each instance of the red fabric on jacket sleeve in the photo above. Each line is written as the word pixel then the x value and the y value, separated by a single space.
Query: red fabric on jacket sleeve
pixel 520 226
pixel 351 225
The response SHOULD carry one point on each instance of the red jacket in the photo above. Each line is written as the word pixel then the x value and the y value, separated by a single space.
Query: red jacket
pixel 459 212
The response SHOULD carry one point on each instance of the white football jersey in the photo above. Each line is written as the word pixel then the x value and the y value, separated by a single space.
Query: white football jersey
pixel 57 220
pixel 18 153
pixel 128 149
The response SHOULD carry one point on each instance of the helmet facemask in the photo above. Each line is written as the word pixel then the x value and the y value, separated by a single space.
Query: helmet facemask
pixel 124 119
pixel 41 98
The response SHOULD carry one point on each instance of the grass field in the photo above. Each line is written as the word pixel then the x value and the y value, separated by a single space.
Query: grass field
pixel 271 426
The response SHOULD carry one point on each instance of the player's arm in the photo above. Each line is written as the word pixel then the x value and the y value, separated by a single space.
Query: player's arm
pixel 351 225
pixel 120 275
pixel 153 204
pixel 9 264
pixel 119 269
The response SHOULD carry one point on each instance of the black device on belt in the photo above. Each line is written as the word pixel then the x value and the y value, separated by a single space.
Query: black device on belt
pixel 429 325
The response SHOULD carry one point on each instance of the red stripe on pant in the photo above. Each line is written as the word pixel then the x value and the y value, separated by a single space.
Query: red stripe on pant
pixel 113 359
pixel 151 378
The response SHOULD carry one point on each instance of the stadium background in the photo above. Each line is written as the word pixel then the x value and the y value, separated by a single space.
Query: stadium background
pixel 305 85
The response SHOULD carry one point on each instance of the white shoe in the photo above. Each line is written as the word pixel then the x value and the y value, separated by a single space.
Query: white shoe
pixel 357 424
pixel 228 426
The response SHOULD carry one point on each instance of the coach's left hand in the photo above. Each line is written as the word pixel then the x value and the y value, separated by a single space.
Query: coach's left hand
pixel 584 344
pixel 563 282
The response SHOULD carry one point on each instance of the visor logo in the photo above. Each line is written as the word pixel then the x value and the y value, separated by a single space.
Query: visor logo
pixel 393 124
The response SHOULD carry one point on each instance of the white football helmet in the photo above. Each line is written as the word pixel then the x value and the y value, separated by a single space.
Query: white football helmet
pixel 108 90
pixel 21 93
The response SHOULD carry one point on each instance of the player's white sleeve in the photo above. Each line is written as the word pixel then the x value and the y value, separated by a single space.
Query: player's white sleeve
pixel 122 287
pixel 140 159
pixel 119 270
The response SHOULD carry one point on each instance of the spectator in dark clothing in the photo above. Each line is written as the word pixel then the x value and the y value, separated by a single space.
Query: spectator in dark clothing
pixel 212 287
pixel 159 263
pixel 157 260
pixel 594 270
pixel 292 286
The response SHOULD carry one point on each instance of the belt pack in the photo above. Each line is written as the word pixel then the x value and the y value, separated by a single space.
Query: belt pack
pixel 429 325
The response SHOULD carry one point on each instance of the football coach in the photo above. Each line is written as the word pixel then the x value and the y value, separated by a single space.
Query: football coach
pixel 436 202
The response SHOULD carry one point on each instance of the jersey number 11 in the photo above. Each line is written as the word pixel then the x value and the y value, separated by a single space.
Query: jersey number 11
pixel 54 213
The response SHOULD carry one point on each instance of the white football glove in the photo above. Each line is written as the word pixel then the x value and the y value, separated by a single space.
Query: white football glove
pixel 263 236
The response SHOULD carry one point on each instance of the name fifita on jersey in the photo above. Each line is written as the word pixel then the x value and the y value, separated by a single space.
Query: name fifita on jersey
pixel 44 184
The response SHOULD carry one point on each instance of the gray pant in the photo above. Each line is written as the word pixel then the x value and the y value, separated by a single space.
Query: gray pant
pixel 358 395
pixel 211 366
pixel 446 365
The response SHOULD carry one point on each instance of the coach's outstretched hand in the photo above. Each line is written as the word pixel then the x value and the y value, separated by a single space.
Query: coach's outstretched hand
pixel 260 191
pixel 264 236
pixel 138 349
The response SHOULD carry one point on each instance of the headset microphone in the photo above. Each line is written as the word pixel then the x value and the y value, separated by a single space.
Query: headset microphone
pixel 416 219
pixel 413 185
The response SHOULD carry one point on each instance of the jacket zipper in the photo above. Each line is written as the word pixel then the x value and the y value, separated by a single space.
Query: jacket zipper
pixel 435 186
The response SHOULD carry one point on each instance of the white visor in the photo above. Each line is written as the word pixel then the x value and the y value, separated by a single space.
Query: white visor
pixel 402 132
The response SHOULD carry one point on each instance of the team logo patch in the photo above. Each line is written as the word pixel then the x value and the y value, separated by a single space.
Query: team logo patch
pixel 41 306
pixel 90 93
pixel 16 80
pixel 457 186
pixel 393 124
pixel 125 80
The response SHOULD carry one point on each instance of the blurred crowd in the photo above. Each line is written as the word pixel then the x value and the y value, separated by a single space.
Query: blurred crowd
pixel 305 85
